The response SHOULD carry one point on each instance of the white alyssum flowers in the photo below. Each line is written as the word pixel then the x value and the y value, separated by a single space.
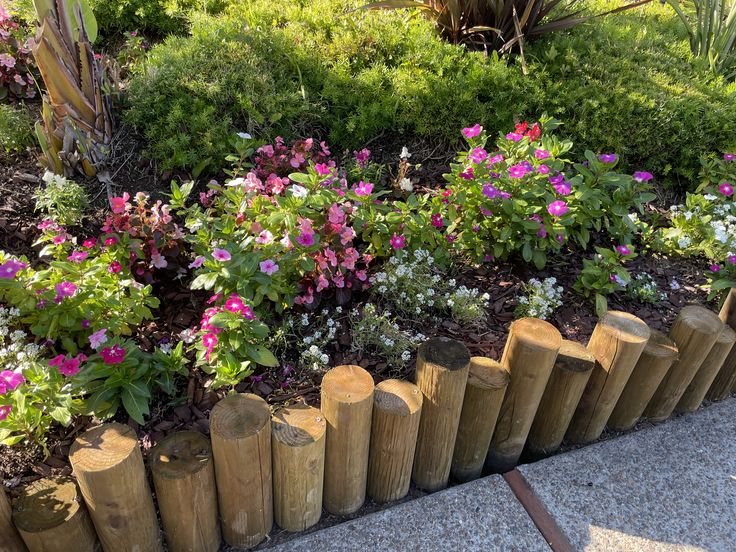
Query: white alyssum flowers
pixel 540 299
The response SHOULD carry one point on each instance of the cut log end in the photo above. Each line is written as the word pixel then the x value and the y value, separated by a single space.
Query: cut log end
pixel 486 373
pixel 625 327
pixel 445 352
pixel 181 454
pixel 536 334
pixel 347 384
pixel 46 504
pixel 298 425
pixel 574 357
pixel 239 416
pixel 398 398
pixel 661 346
pixel 102 447
pixel 700 320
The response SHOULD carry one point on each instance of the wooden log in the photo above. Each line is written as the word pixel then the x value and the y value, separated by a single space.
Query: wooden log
pixel 566 384
pixel 51 517
pixel 10 540
pixel 487 382
pixel 184 479
pixel 240 429
pixel 529 355
pixel 347 405
pixel 298 445
pixel 110 472
pixel 725 381
pixel 441 376
pixel 397 409
pixel 653 364
pixel 617 342
pixel 694 331
pixel 693 396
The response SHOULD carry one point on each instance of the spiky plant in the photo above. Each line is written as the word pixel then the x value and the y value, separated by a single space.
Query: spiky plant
pixel 77 121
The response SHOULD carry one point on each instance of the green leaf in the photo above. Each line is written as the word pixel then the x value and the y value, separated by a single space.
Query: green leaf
pixel 300 178
pixel 262 356
pixel 601 305
pixel 135 405
pixel 526 252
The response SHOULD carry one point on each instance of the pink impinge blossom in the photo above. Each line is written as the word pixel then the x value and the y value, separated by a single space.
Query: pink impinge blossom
pixel 726 189
pixel 98 338
pixel 363 189
pixel 623 250
pixel 557 208
pixel 398 241
pixel 113 355
pixel 269 267
pixel 473 131
pixel 10 268
pixel 221 255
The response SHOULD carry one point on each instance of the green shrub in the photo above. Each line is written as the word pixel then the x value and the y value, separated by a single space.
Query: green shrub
pixel 16 128
pixel 64 200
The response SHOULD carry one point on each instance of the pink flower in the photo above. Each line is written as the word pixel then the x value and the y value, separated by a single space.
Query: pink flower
pixel 59 239
pixel 113 355
pixel 158 260
pixel 221 254
pixel 197 262
pixel 437 221
pixel 77 256
pixel 215 297
pixel 563 189
pixel 517 171
pixel 10 380
pixel 363 189
pixel 729 156
pixel 714 268
pixel 70 366
pixel 643 176
pixel 112 240
pixel 514 137
pixel 65 289
pixel 608 158
pixel 623 250
pixel 495 159
pixel 89 243
pixel 209 341
pixel 362 156
pixel 557 208
pixel 269 267
pixel 398 242
pixel 472 132
pixel 5 412
pixel 10 268
pixel 264 238
pixel 543 169
pixel 305 239
pixel 726 189
pixel 46 224
pixel 478 155
pixel 731 259
pixel 323 169
pixel 541 154
pixel 118 204
pixel 98 338
pixel 234 304
pixel 322 283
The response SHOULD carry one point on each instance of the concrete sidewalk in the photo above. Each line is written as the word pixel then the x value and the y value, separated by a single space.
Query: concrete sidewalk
pixel 666 488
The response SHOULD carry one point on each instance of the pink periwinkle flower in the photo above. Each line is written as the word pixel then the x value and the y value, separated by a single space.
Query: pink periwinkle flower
pixel 714 268
pixel 726 189
pixel 10 268
pixel 363 189
pixel 197 262
pixel 89 243
pixel 437 221
pixel 323 169
pixel 70 366
pixel 517 171
pixel 98 338
pixel 495 159
pixel 541 154
pixel 643 176
pixel 5 412
pixel 473 131
pixel 58 239
pixel 608 158
pixel 10 380
pixel 118 204
pixel 264 238
pixel 269 267
pixel 514 137
pixel 221 254
pixel 398 241
pixel 729 156
pixel 623 250
pixel 543 169
pixel 113 355
pixel 65 289
pixel 563 188
pixel 112 240
pixel 77 256
pixel 478 155
pixel 557 208
pixel 234 304
pixel 362 156
pixel 731 259
pixel 305 239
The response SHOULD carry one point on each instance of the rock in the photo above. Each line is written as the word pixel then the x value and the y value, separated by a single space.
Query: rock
pixel 183 413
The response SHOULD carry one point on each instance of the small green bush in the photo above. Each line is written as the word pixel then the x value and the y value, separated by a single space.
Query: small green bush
pixel 16 128
pixel 63 200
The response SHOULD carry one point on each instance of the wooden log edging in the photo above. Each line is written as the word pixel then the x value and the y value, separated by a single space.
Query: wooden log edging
pixel 654 362
pixel 529 355
pixel 10 540
pixel 566 384
pixel 112 478
pixel 240 428
pixel 725 381
pixel 441 375
pixel 484 392
pixel 694 331
pixel 184 478
pixel 347 405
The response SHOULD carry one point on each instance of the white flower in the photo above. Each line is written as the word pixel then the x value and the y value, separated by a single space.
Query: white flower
pixel 674 285
pixel 244 135
pixel 405 153
pixel 406 185
pixel 235 182
pixel 297 191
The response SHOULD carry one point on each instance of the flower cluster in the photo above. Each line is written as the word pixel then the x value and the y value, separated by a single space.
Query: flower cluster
pixel 643 288
pixel 18 72
pixel 416 289
pixel 604 274
pixel 378 333
pixel 274 162
pixel 540 299
pixel 306 336
pixel 62 199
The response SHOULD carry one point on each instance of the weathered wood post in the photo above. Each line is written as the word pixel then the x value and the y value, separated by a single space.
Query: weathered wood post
pixel 109 467
pixel 566 384
pixel 487 382
pixel 347 405
pixel 694 331
pixel 240 428
pixel 397 408
pixel 654 362
pixel 441 375
pixel 10 540
pixel 617 342
pixel 51 517
pixel 184 479
pixel 298 466
pixel 693 396
pixel 725 381
pixel 529 355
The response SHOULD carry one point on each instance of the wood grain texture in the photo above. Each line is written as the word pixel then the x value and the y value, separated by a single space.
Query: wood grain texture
pixel 617 342
pixel 298 441
pixel 397 409
pixel 694 331
pixel 725 381
pixel 693 396
pixel 441 374
pixel 529 356
pixel 484 392
pixel 108 464
pixel 184 478
pixel 347 405
pixel 565 386
pixel 653 365
pixel 240 429
pixel 51 517
pixel 10 540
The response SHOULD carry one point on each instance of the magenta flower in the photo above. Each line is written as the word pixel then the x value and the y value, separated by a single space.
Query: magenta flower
pixel 729 156
pixel 563 188
pixel 543 169
pixel 517 171
pixel 305 239
pixel 478 155
pixel 557 208
pixel 323 169
pixel 77 256
pixel 362 156
pixel 113 355
pixel 209 341
pixel 608 157
pixel 495 159
pixel 643 176
pixel 467 174
pixel 10 268
pixel 111 241
pixel 10 380
pixel 118 204
pixel 714 268
pixel 89 243
pixel 472 132
pixel 269 267
pixel 541 154
pixel 363 189
pixel 98 338
pixel 731 259
pixel 59 239
pixel 437 221
pixel 557 179
pixel 491 192
pixel 197 262
pixel 726 189
pixel 65 289
pixel 623 250
pixel 234 304
pixel 221 254
pixel 398 242
pixel 114 267
pixel 46 224
pixel 70 366
pixel 5 412
pixel 514 137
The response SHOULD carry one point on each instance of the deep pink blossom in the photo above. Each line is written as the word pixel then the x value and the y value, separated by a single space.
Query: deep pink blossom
pixel 112 240
pixel 58 239
pixel 473 131
pixel 362 156
pixel 729 156
pixel 65 289
pixel 608 158
pixel 234 304
pixel 305 239
pixel 478 155
pixel 113 355
pixel 517 171
pixel 77 256
pixel 514 137
pixel 114 267
pixel 726 189
pixel 495 159
pixel 557 208
pixel 98 338
pixel 623 250
pixel 398 241
pixel 731 259
pixel 437 221
pixel 541 154
pixel 714 268
pixel 363 189
pixel 118 204
pixel 10 380
pixel 70 366
pixel 543 169
pixel 269 267
pixel 89 243
pixel 197 262
pixel 221 254
pixel 563 188
pixel 643 176
pixel 5 412
pixel 10 268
